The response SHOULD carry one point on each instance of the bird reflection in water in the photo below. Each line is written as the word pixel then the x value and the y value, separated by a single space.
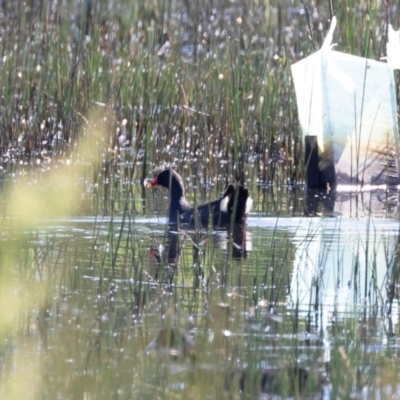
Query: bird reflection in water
pixel 165 257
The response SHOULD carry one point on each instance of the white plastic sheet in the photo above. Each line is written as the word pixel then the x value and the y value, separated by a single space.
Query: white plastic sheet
pixel 349 103
pixel 393 48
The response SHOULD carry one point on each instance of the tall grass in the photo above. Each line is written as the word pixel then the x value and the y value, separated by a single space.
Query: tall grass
pixel 89 110
pixel 220 99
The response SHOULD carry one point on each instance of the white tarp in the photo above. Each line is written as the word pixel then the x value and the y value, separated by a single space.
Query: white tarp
pixel 349 103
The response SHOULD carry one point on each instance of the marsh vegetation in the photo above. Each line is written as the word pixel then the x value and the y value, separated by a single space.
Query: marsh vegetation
pixel 98 298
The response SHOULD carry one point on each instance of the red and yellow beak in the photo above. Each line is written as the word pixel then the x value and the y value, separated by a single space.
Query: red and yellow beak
pixel 151 182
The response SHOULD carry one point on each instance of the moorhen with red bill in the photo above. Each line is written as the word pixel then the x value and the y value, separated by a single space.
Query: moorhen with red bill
pixel 221 211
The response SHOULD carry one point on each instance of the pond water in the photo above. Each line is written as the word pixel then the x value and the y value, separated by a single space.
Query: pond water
pixel 134 310
pixel 302 302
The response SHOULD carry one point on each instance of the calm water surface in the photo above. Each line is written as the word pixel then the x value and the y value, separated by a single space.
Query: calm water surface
pixel 184 309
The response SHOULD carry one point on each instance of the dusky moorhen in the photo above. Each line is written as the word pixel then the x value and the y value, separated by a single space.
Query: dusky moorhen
pixel 222 211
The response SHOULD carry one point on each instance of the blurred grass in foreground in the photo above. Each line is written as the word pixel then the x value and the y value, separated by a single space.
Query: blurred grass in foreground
pixel 29 272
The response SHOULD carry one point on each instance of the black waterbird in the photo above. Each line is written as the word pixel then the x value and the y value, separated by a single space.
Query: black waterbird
pixel 233 206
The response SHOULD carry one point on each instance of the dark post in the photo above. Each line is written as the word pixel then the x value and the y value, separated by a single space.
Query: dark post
pixel 311 162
